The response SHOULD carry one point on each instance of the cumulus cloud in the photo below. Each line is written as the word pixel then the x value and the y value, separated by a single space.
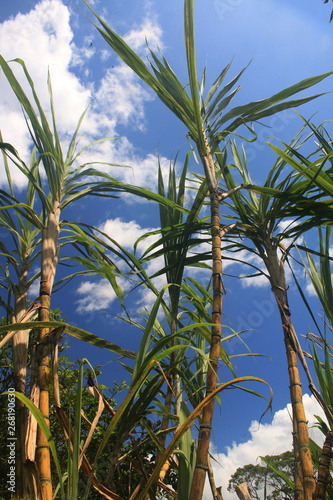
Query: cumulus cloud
pixel 126 233
pixel 97 296
pixel 44 39
pixel 254 281
pixel 149 32
pixel 309 289
pixel 266 439
pixel 147 297
pixel 34 289
pixel 121 90
pixel 249 264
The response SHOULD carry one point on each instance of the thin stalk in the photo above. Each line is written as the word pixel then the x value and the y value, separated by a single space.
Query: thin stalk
pixel 176 383
pixel 165 420
pixel 168 398
pixel 213 488
pixel 25 478
pixel 86 467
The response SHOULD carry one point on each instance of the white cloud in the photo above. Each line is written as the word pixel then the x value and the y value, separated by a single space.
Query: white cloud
pixel 141 171
pixel 121 93
pixel 147 297
pixel 39 32
pixel 97 296
pixel 245 272
pixel 256 281
pixel 150 32
pixel 266 439
pixel 287 224
pixel 126 233
pixel 105 54
pixel 15 133
pixel 309 289
pixel 43 38
pixel 33 291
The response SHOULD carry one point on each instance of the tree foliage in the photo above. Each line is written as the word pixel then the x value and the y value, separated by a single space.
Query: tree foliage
pixel 262 481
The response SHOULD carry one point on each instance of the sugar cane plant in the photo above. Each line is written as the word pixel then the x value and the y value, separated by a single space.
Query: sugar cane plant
pixel 208 125
pixel 161 356
pixel 259 220
pixel 321 279
pixel 317 190
pixel 65 184
pixel 315 196
pixel 20 250
pixel 321 354
pixel 189 332
pixel 304 204
pixel 177 239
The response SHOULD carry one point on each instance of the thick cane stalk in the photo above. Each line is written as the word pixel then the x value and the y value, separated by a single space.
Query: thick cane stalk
pixel 201 467
pixel 31 434
pixel 298 476
pixel 20 356
pixel 301 435
pixel 25 475
pixel 49 264
pixel 324 468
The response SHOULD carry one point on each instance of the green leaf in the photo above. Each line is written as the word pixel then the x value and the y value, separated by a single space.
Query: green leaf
pixel 137 65
pixel 146 339
pixel 266 107
pixel 192 73
pixel 74 331
pixel 216 85
pixel 187 424
pixel 123 408
pixel 283 476
pixel 187 458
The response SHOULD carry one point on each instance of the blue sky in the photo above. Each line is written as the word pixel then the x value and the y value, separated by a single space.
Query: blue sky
pixel 286 41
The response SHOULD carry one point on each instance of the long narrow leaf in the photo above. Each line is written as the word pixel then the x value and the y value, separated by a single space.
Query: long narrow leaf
pixel 187 424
